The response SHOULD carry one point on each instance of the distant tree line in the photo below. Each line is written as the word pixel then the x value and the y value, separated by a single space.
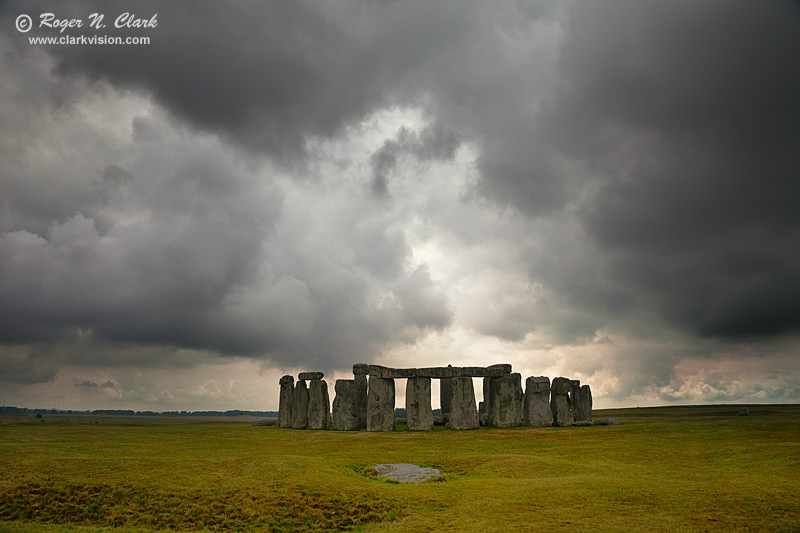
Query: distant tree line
pixel 130 412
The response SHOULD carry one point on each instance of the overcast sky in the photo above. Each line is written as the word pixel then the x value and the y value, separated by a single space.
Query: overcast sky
pixel 604 190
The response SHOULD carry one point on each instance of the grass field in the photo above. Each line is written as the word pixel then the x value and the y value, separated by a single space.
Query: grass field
pixel 665 469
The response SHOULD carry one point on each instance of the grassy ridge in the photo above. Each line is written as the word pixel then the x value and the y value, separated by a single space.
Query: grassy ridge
pixel 665 469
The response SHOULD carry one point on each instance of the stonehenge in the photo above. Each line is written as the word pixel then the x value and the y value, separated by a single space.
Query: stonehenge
pixel 368 400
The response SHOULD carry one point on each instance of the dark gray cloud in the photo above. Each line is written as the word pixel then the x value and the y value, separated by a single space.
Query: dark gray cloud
pixel 686 116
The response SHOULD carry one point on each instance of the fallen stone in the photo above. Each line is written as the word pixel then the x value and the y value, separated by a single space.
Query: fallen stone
pixel 310 375
pixel 345 415
pixel 265 422
pixel 607 421
pixel 380 404
pixel 463 412
pixel 419 416
pixel 582 423
pixel 407 473
pixel 537 412
pixel 300 405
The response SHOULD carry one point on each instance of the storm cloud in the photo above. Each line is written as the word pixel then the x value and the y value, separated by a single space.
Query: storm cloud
pixel 601 190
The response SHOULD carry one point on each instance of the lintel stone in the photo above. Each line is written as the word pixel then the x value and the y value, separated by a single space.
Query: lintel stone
pixel 360 368
pixel 310 375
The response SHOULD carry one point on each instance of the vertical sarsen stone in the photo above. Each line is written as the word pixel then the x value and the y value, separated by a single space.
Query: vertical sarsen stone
pixel 380 404
pixel 345 415
pixel 419 416
pixel 537 412
pixel 319 405
pixel 559 402
pixel 285 402
pixel 463 412
pixel 505 407
pixel 300 405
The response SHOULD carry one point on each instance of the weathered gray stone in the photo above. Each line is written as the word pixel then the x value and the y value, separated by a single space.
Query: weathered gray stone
pixel 300 405
pixel 345 412
pixel 380 404
pixel 537 411
pixel 606 421
pixel 582 404
pixel 463 412
pixel 319 405
pixel 560 386
pixel 285 402
pixel 406 473
pixel 419 416
pixel 445 395
pixel 503 367
pixel 438 372
pixel 485 372
pixel 574 387
pixel 361 400
pixel 310 375
pixel 559 402
pixel 385 372
pixel 361 368
pixel 505 407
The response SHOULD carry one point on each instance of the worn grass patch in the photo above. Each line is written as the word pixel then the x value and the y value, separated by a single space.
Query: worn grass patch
pixel 672 469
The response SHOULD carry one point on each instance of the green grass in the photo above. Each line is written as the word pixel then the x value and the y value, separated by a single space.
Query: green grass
pixel 665 469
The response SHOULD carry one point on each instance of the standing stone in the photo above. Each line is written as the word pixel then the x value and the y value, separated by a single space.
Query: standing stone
pixel 463 413
pixel 574 390
pixel 285 402
pixel 483 408
pixel 537 411
pixel 419 416
pixel 505 401
pixel 582 405
pixel 319 405
pixel 445 395
pixel 345 415
pixel 360 371
pixel 380 404
pixel 559 402
pixel 300 405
